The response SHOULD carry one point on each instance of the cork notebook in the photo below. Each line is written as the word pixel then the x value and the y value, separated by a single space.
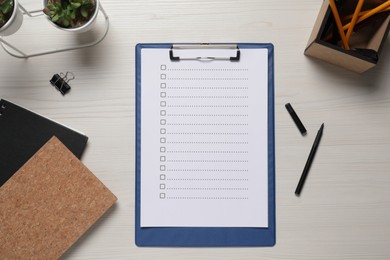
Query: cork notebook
pixel 48 204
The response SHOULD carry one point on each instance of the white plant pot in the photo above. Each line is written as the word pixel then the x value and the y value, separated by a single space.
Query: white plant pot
pixel 85 27
pixel 14 22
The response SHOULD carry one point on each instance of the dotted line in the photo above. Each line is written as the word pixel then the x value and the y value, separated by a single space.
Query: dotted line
pixel 207 189
pixel 207 151
pixel 207 142
pixel 207 133
pixel 200 179
pixel 237 88
pixel 207 78
pixel 208 69
pixel 202 161
pixel 206 115
pixel 204 170
pixel 207 96
pixel 211 124
pixel 207 198
pixel 207 106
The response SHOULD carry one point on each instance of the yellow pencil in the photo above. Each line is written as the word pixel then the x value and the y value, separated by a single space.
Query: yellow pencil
pixel 364 12
pixel 354 19
pixel 338 23
pixel 369 14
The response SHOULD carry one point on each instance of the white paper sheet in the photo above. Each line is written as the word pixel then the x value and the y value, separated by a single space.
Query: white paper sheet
pixel 204 146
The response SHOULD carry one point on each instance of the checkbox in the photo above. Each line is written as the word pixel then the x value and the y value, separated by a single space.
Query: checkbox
pixel 162 195
pixel 163 122
pixel 163 94
pixel 163 140
pixel 163 131
pixel 163 67
pixel 162 186
pixel 163 168
pixel 163 85
pixel 162 177
pixel 163 76
pixel 163 103
pixel 163 149
pixel 163 112
pixel 163 158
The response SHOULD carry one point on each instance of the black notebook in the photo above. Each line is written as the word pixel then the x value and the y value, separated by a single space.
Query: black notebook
pixel 23 133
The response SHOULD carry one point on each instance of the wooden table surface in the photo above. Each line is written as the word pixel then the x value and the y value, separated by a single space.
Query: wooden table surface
pixel 344 209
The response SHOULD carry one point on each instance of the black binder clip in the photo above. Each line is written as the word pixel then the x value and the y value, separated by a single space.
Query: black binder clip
pixel 61 81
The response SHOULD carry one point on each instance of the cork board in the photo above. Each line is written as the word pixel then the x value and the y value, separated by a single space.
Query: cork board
pixel 48 204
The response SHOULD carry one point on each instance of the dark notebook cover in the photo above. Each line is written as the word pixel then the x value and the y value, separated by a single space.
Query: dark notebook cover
pixel 23 133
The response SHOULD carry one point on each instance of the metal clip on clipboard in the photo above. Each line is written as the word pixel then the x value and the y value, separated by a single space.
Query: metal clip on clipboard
pixel 204 46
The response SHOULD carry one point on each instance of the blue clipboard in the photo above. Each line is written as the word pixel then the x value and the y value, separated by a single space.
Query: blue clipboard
pixel 208 236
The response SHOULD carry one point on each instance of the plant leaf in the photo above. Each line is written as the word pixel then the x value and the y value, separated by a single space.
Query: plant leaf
pixel 65 22
pixel 55 18
pixel 84 11
pixel 72 15
pixel 75 5
pixel 6 7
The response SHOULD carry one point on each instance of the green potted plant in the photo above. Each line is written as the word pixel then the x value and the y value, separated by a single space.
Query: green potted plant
pixel 11 18
pixel 72 15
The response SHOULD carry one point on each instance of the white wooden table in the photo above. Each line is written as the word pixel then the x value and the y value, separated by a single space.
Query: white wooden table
pixel 344 208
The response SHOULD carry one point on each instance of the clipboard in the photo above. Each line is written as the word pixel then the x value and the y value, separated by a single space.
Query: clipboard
pixel 207 236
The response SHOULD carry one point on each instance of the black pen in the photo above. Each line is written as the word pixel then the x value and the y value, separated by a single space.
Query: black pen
pixel 296 119
pixel 309 161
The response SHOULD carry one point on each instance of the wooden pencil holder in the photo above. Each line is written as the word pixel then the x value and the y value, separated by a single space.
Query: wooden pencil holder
pixel 366 44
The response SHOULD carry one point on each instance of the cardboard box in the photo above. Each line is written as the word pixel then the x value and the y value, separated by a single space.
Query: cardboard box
pixel 366 43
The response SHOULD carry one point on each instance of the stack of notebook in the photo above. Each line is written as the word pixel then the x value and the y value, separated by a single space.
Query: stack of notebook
pixel 48 197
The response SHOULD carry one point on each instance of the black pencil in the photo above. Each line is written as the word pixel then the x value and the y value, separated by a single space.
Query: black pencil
pixel 309 161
